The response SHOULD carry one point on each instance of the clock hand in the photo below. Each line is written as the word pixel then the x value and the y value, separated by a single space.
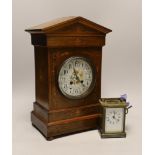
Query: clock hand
pixel 76 74
pixel 77 78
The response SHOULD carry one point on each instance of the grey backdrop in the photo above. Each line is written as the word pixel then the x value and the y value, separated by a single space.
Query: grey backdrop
pixel 121 73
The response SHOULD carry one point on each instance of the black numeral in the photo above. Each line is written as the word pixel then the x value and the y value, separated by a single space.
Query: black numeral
pixel 70 66
pixel 65 72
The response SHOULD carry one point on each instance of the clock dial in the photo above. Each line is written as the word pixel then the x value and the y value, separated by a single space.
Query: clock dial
pixel 114 120
pixel 76 78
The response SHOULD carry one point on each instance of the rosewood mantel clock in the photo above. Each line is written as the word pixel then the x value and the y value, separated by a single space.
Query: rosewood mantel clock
pixel 68 53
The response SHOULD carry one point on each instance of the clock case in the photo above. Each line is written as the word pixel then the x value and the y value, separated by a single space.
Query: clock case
pixel 55 115
pixel 111 103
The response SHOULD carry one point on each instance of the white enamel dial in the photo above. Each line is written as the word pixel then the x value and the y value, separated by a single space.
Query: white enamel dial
pixel 114 120
pixel 76 77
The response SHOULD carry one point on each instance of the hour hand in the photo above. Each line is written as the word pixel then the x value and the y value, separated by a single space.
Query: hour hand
pixel 74 71
pixel 77 78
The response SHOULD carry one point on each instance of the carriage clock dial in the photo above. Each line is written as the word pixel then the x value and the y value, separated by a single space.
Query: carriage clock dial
pixel 76 77
pixel 114 120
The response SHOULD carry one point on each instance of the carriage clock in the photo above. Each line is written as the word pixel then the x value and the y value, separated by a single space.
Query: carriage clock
pixel 112 121
pixel 68 54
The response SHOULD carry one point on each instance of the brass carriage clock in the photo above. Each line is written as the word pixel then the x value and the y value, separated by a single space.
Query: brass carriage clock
pixel 112 122
pixel 68 53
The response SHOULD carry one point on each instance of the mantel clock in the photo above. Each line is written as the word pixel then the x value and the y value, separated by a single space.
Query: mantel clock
pixel 68 53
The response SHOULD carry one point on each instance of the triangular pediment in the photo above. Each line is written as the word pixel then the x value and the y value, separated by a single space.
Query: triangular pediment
pixel 70 26
pixel 75 29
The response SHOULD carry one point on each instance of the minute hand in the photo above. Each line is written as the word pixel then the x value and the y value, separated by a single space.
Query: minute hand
pixel 77 78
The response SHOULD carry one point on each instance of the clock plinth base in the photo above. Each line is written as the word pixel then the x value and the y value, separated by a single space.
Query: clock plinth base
pixel 112 135
pixel 47 138
pixel 61 128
